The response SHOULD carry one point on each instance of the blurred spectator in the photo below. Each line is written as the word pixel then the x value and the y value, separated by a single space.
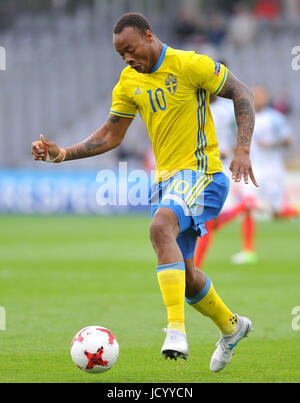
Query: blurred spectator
pixel 72 5
pixel 242 26
pixel 267 9
pixel 281 102
pixel 217 29
pixel 149 162
pixel 185 27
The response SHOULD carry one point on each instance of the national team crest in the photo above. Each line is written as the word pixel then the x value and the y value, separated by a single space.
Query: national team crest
pixel 171 84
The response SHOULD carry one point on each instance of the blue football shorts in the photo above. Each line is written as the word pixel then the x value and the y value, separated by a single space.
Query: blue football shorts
pixel 195 198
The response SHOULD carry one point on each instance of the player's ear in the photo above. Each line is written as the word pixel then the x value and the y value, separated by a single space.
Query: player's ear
pixel 149 35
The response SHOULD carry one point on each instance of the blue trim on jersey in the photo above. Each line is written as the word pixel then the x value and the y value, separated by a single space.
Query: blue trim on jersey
pixel 203 128
pixel 123 114
pixel 201 134
pixel 225 75
pixel 171 266
pixel 201 294
pixel 198 132
pixel 160 60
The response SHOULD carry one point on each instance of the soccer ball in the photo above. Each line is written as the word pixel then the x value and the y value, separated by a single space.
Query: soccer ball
pixel 94 349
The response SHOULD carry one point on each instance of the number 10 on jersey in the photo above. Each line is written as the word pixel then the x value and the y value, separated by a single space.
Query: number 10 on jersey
pixel 158 99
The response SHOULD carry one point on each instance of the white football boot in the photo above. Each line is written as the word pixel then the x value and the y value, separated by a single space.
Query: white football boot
pixel 175 345
pixel 225 346
pixel 244 257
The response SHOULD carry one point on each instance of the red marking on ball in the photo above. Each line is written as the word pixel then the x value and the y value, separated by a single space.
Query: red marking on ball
pixel 95 359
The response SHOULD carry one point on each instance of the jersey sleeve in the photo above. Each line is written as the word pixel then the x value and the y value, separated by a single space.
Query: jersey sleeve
pixel 122 104
pixel 203 72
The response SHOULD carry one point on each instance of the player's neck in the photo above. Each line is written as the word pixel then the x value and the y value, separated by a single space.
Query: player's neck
pixel 157 49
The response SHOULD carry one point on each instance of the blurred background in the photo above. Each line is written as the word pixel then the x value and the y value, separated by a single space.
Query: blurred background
pixel 67 262
pixel 61 67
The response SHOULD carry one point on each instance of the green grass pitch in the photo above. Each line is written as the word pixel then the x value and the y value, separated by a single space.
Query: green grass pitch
pixel 60 274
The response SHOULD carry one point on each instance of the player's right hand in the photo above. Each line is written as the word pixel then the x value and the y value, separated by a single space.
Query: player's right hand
pixel 241 167
pixel 45 150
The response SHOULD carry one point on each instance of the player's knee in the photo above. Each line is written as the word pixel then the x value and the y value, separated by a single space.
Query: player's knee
pixel 164 228
pixel 158 233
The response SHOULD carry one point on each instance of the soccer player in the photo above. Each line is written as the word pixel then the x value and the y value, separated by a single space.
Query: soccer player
pixel 271 136
pixel 170 88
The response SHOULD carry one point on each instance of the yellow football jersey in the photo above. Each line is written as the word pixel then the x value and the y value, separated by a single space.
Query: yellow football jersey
pixel 173 101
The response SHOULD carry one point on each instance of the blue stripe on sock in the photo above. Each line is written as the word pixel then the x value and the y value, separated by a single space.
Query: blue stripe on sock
pixel 201 294
pixel 171 266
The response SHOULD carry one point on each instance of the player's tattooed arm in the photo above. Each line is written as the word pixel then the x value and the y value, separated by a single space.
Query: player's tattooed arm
pixel 114 118
pixel 106 138
pixel 244 110
pixel 243 107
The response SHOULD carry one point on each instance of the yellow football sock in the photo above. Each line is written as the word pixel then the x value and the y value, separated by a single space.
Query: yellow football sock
pixel 210 304
pixel 171 278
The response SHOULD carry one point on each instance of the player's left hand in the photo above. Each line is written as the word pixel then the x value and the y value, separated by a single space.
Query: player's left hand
pixel 241 167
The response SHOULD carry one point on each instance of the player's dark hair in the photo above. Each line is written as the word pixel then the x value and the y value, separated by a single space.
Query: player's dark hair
pixel 134 20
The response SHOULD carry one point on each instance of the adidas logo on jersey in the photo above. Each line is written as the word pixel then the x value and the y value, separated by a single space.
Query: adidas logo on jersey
pixel 137 91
